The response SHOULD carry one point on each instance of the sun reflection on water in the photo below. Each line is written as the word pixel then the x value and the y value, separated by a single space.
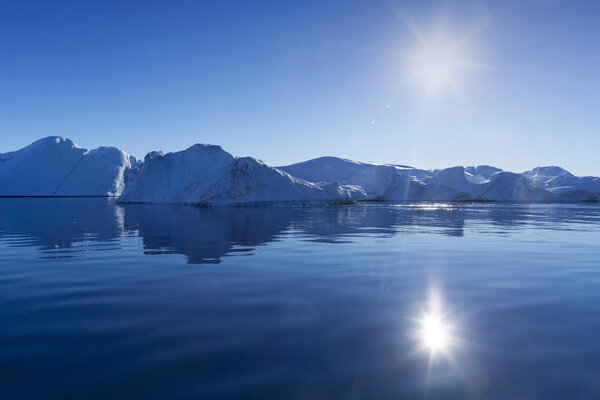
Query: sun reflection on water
pixel 437 335
pixel 434 333
pixel 427 206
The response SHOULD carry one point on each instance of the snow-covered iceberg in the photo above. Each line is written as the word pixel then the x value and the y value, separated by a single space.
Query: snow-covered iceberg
pixel 509 186
pixel 564 184
pixel 208 175
pixel 376 179
pixel 55 166
pixel 474 183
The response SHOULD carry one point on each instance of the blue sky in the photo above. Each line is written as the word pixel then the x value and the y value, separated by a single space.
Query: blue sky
pixel 287 81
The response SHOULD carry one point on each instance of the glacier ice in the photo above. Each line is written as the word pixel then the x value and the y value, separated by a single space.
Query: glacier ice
pixel 55 166
pixel 562 182
pixel 206 174
pixel 473 183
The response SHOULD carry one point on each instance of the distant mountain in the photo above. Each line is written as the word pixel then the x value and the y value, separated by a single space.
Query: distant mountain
pixel 55 166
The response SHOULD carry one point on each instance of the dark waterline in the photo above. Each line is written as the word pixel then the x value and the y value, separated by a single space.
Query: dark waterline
pixel 103 300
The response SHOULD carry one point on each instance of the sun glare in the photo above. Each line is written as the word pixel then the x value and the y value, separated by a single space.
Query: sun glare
pixel 439 60
pixel 439 338
pixel 436 67
pixel 434 333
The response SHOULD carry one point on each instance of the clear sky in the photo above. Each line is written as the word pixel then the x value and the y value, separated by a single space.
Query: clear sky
pixel 515 84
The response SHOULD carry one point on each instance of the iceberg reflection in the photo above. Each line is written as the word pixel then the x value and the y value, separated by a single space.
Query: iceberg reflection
pixel 206 235
pixel 58 223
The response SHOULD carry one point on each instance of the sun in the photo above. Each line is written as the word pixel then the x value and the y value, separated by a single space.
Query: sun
pixel 436 66
pixel 440 61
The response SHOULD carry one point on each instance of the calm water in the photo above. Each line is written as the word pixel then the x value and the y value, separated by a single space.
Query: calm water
pixel 107 301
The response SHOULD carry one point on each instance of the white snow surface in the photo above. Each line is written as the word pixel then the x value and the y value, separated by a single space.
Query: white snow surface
pixel 559 181
pixel 55 166
pixel 208 175
pixel 477 183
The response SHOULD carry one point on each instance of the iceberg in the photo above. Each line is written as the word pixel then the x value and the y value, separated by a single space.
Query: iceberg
pixel 393 182
pixel 55 166
pixel 562 182
pixel 208 175
pixel 375 178
pixel 509 186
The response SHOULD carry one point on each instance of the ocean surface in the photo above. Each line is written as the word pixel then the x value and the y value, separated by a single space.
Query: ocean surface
pixel 100 300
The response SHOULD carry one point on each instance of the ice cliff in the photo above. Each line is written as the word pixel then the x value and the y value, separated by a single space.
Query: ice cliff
pixel 481 183
pixel 205 174
pixel 55 166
